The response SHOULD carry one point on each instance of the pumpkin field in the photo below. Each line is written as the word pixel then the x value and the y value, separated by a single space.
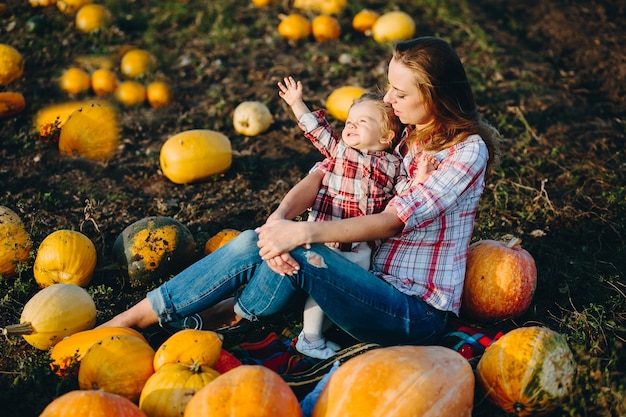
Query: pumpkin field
pixel 97 98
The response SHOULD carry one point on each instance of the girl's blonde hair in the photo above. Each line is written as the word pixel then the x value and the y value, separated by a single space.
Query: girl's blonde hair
pixel 389 122
pixel 443 84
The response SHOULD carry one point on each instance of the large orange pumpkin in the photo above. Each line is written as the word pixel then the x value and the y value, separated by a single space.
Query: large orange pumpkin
pixel 91 404
pixel 500 280
pixel 91 132
pixel 188 346
pixel 152 248
pixel 400 381
pixel 247 390
pixel 71 349
pixel 65 256
pixel 16 242
pixel 170 388
pixel 117 364
pixel 527 372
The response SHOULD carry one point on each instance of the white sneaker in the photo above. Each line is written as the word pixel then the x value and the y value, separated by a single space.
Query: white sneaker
pixel 319 349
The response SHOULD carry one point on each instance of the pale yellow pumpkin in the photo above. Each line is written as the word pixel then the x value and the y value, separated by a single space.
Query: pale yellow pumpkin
pixel 53 313
pixel 117 364
pixel 188 346
pixel 393 26
pixel 252 118
pixel 340 100
pixel 195 155
pixel 400 381
pixel 168 391
pixel 67 257
pixel 15 241
pixel 11 64
pixel 91 132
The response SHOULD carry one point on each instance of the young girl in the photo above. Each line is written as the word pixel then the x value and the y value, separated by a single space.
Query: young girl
pixel 416 278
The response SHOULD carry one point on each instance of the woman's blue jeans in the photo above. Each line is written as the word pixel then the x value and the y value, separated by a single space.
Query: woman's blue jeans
pixel 360 303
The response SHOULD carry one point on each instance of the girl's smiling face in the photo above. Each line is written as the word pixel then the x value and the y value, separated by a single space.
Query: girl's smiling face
pixel 405 98
pixel 363 129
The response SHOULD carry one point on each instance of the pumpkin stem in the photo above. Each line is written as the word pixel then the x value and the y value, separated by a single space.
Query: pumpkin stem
pixel 515 241
pixel 17 329
pixel 195 367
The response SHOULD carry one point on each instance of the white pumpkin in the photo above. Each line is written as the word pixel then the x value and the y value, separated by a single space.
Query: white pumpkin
pixel 252 118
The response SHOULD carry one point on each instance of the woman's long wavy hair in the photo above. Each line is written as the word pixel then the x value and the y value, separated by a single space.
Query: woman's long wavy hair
pixel 441 79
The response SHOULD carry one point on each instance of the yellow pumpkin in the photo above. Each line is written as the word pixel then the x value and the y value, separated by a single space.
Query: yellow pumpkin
pixel 393 26
pixel 11 104
pixel 340 100
pixel 72 348
pixel 42 3
pixel 92 17
pixel 261 3
pixel 152 248
pixel 220 239
pixel 364 20
pixel 325 27
pixel 66 257
pixel 117 364
pixel 11 64
pixel 168 391
pixel 321 6
pixel 16 242
pixel 195 155
pixel 130 93
pixel 247 390
pixel 71 6
pixel 91 403
pixel 528 371
pixel 400 381
pixel 252 118
pixel 53 313
pixel 500 280
pixel 90 132
pixel 136 63
pixel 158 94
pixel 103 81
pixel 188 346
pixel 54 116
pixel 74 81
pixel 294 27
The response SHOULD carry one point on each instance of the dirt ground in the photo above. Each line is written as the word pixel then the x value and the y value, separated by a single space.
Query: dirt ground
pixel 571 52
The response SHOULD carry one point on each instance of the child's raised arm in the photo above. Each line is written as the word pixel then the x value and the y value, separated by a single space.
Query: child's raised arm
pixel 291 93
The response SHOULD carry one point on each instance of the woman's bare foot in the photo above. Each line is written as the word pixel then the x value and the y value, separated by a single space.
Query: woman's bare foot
pixel 139 316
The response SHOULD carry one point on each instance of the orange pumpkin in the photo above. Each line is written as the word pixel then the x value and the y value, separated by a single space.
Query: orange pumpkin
pixel 91 132
pixel 117 364
pixel 400 381
pixel 136 63
pixel 325 27
pixel 71 349
pixel 16 242
pixel 91 404
pixel 103 81
pixel 65 256
pixel 92 17
pixel 168 391
pixel 11 104
pixel 74 81
pixel 247 390
pixel 294 27
pixel 500 280
pixel 529 371
pixel 220 239
pixel 188 346
pixel 158 94
pixel 130 93
pixel 364 20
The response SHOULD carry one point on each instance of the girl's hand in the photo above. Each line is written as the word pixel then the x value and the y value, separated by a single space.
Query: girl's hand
pixel 290 91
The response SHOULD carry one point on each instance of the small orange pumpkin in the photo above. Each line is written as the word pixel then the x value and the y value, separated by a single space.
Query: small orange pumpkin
pixel 294 27
pixel 500 280
pixel 325 27
pixel 11 104
pixel 158 94
pixel 130 93
pixel 528 371
pixel 92 17
pixel 117 364
pixel 91 403
pixel 188 346
pixel 364 20
pixel 247 390
pixel 378 382
pixel 65 256
pixel 220 239
pixel 16 242
pixel 136 63
pixel 74 81
pixel 168 391
pixel 72 348
pixel 103 81
pixel 90 132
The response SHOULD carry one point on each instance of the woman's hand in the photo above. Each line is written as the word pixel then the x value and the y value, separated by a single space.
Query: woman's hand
pixel 283 264
pixel 278 237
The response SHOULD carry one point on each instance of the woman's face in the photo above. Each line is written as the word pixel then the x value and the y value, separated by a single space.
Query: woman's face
pixel 404 97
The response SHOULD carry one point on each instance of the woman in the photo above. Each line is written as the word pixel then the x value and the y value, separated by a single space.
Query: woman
pixel 417 272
